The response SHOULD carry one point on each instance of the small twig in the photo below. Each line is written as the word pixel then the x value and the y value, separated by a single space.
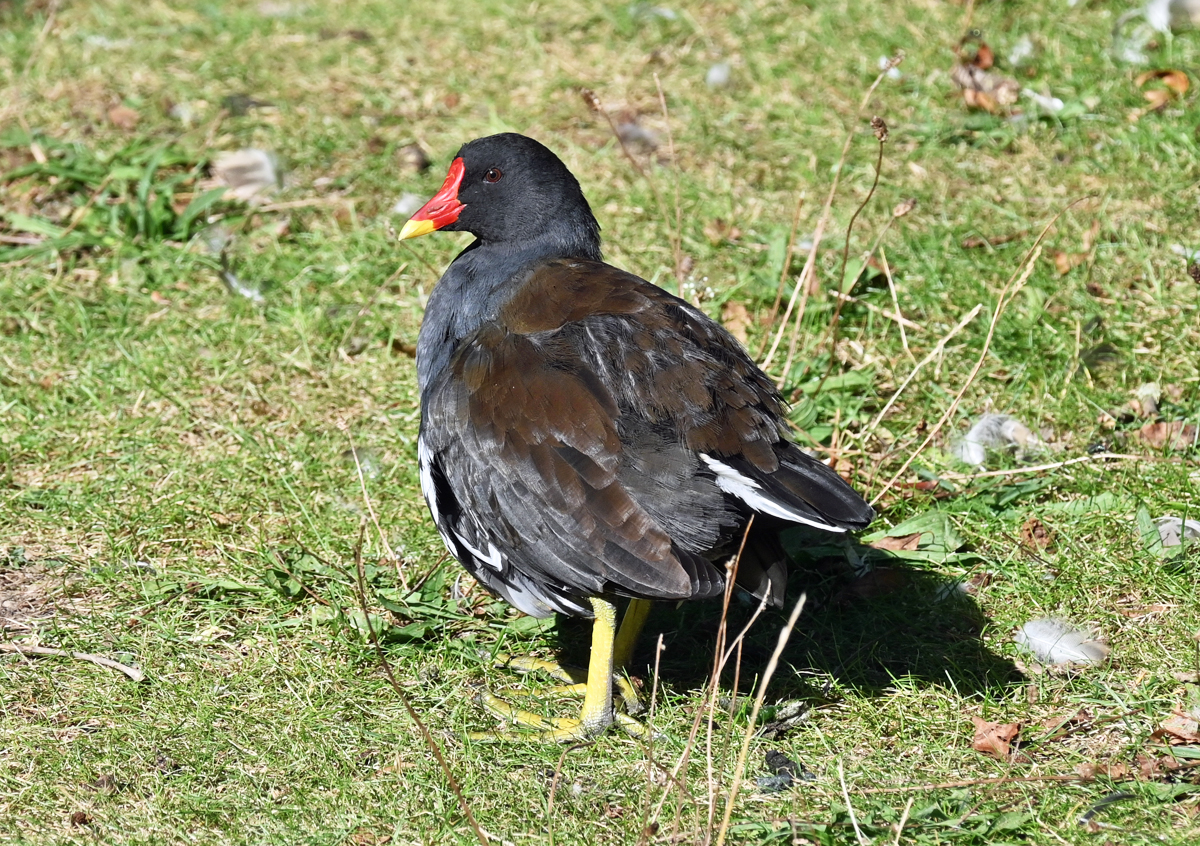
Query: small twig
pixel 306 202
pixel 894 316
pixel 887 272
pixel 862 838
pixel 387 547
pixel 554 787
pixel 367 305
pixel 47 652
pixel 904 819
pixel 803 282
pixel 972 782
pixel 690 744
pixel 934 353
pixel 593 102
pixel 1018 471
pixel 783 271
pixel 881 135
pixel 740 769
pixel 426 735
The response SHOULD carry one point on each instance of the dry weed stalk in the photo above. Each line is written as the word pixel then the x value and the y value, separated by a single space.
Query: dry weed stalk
pixel 361 592
pixel 592 100
pixel 807 274
pixel 740 769
pixel 1011 288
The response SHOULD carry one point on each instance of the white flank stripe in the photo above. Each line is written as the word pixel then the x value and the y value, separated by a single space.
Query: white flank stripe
pixel 425 461
pixel 494 557
pixel 750 492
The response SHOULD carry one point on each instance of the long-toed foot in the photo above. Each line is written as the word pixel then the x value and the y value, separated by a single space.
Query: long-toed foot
pixel 595 686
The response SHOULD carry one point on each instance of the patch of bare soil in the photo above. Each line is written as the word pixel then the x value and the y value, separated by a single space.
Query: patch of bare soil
pixel 27 594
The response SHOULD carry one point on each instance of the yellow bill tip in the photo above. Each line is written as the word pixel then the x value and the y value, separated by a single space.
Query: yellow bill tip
pixel 416 228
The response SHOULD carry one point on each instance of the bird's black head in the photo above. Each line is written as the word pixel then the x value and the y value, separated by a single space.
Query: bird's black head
pixel 509 190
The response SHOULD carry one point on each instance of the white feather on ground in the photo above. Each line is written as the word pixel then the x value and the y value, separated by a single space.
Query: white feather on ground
pixel 250 174
pixel 1055 641
pixel 993 431
pixel 1174 531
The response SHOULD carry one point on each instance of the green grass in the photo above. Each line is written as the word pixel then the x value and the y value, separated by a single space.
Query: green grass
pixel 176 489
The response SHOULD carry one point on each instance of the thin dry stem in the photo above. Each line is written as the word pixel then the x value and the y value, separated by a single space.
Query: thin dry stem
pixel 49 652
pixel 1039 468
pixel 740 769
pixel 832 332
pixel 426 735
pixel 804 280
pixel 900 321
pixel 783 271
pixel 862 838
pixel 934 353
pixel 1010 289
pixel 371 509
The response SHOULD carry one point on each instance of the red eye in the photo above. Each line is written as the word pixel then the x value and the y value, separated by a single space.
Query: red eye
pixel 493 175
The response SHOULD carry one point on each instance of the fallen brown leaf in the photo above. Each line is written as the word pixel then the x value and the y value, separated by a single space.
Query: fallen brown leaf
pixel 1173 435
pixel 1064 262
pixel 1178 728
pixel 1035 535
pixel 1150 767
pixel 123 117
pixel 983 57
pixel 736 318
pixel 981 89
pixel 1176 81
pixel 896 544
pixel 994 739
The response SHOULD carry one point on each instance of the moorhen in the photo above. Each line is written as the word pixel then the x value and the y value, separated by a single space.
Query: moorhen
pixel 585 435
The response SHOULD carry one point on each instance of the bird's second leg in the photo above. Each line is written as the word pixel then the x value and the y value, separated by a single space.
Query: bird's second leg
pixel 596 713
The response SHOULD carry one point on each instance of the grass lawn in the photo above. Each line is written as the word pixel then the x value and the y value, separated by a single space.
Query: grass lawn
pixel 190 384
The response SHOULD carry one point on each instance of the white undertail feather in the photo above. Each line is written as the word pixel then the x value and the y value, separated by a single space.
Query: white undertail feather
pixel 751 493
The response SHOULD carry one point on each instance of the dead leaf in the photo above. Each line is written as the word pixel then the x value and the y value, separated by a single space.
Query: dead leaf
pixel 123 117
pixel 736 318
pixel 896 544
pixel 983 57
pixel 1064 262
pixel 1176 81
pixel 718 230
pixel 1178 728
pixel 990 92
pixel 1089 237
pixel 1175 84
pixel 1173 435
pixel 1035 535
pixel 994 739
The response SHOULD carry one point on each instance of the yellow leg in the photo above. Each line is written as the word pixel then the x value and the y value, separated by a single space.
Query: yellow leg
pixel 596 715
pixel 631 629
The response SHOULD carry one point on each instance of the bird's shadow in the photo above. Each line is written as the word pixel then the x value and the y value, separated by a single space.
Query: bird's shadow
pixel 859 634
